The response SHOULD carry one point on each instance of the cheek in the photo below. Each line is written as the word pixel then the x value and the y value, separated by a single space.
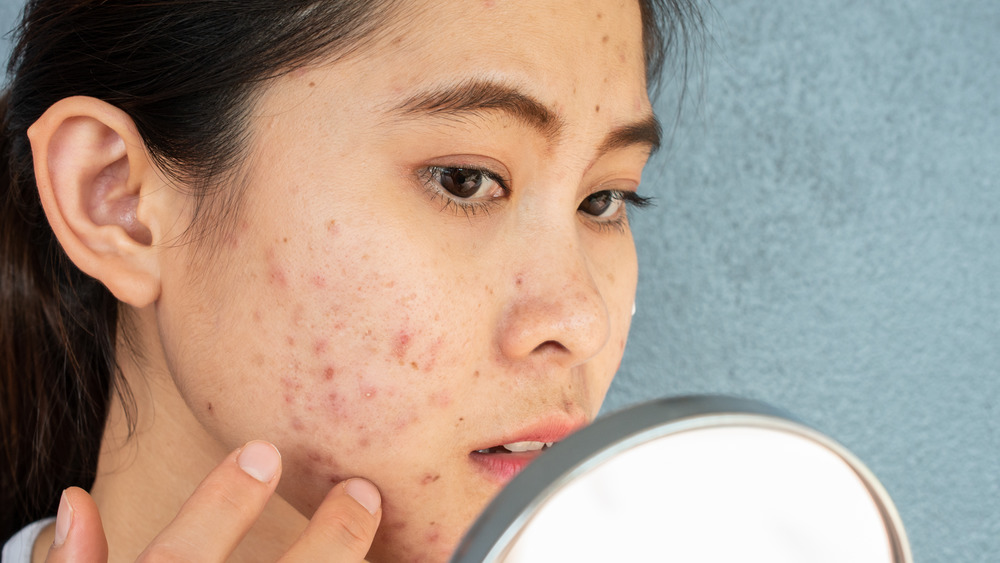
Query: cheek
pixel 354 354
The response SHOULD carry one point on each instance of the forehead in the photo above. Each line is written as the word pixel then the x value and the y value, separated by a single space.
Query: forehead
pixel 559 51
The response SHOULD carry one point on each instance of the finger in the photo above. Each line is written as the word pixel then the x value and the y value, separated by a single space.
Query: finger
pixel 79 531
pixel 343 527
pixel 222 509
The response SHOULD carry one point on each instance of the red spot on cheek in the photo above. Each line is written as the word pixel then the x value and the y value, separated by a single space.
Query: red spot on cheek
pixel 318 281
pixel 328 373
pixel 275 273
pixel 401 345
pixel 428 479
pixel 319 346
pixel 297 424
pixel 440 399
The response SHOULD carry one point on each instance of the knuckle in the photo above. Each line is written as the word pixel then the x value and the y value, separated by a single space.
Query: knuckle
pixel 162 553
pixel 350 529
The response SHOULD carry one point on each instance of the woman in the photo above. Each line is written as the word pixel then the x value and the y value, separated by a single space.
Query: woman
pixel 387 239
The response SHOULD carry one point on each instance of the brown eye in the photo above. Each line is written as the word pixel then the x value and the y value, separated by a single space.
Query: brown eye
pixel 601 204
pixel 461 182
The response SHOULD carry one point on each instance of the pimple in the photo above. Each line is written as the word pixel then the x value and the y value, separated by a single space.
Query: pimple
pixel 328 373
pixel 332 227
pixel 401 345
pixel 256 316
pixel 297 424
pixel 440 399
pixel 429 478
pixel 319 346
pixel 605 39
pixel 209 407
pixel 275 272
pixel 318 281
pixel 290 340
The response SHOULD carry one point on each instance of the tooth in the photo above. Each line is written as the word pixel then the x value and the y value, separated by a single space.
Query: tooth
pixel 549 444
pixel 524 446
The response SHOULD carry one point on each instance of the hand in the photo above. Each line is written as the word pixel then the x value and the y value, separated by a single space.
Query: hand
pixel 234 493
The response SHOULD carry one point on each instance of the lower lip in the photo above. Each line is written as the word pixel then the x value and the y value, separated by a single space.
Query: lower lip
pixel 501 468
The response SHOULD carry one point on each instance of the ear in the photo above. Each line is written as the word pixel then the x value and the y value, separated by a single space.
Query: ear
pixel 101 194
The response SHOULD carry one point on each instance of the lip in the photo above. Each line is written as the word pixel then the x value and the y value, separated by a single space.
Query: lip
pixel 501 468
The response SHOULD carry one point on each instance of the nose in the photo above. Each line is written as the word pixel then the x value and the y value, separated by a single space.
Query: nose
pixel 556 312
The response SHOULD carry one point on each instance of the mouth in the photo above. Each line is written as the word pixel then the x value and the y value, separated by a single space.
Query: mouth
pixel 502 462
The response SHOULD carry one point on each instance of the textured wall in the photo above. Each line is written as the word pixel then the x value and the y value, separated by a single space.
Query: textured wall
pixel 828 240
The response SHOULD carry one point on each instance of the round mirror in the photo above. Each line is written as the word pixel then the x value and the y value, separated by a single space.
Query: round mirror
pixel 693 479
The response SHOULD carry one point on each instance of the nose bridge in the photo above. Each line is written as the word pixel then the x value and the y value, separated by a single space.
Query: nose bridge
pixel 555 310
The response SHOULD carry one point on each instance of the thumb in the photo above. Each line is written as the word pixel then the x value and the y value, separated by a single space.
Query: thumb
pixel 79 532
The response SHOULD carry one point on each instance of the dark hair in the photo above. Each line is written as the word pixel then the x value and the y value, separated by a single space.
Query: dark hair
pixel 186 72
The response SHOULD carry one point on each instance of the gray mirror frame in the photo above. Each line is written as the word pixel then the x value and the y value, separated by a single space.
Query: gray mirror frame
pixel 504 518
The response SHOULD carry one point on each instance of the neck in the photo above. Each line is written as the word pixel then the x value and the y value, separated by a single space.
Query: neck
pixel 144 478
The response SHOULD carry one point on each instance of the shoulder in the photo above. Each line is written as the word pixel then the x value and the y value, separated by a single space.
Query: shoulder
pixel 18 547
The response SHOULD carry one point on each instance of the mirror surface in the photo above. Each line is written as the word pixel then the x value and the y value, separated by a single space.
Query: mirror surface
pixel 695 479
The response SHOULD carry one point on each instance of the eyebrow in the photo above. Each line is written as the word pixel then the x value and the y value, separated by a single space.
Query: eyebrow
pixel 479 96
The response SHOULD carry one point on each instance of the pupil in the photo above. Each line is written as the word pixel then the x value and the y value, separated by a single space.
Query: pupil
pixel 596 204
pixel 461 182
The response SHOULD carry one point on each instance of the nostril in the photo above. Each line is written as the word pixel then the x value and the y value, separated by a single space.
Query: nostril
pixel 551 346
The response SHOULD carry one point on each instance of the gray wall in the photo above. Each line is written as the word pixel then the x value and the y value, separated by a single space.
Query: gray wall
pixel 828 240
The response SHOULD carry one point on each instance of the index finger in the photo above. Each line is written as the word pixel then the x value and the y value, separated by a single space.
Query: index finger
pixel 222 509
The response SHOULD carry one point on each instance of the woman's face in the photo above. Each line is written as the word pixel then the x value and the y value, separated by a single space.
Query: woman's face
pixel 432 260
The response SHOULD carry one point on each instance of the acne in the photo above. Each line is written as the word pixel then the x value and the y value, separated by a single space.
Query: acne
pixel 275 270
pixel 597 108
pixel 319 346
pixel 401 345
pixel 441 399
pixel 328 373
pixel 429 478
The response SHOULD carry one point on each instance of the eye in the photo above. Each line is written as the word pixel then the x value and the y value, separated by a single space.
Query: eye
pixel 608 204
pixel 468 183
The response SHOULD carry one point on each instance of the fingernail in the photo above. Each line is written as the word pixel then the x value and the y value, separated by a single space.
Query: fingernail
pixel 260 460
pixel 64 519
pixel 365 493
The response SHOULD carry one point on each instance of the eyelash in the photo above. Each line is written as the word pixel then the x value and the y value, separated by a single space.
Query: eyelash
pixel 472 207
pixel 456 204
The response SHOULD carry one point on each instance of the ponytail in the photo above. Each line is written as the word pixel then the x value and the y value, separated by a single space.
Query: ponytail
pixel 57 362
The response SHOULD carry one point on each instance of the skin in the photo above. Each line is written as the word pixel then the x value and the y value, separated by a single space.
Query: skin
pixel 360 318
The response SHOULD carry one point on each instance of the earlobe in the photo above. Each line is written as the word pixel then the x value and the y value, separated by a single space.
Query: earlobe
pixel 93 176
